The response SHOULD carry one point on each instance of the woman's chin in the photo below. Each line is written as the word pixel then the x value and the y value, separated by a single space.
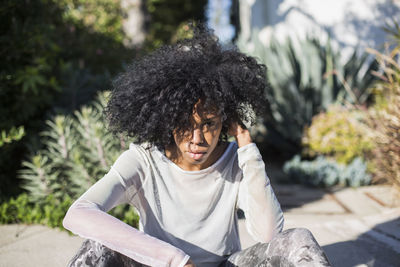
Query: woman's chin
pixel 196 160
pixel 197 156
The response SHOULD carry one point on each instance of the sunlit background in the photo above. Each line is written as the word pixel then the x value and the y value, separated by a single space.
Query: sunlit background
pixel 330 138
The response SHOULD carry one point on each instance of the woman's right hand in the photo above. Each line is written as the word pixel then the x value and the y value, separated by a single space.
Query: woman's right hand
pixel 190 264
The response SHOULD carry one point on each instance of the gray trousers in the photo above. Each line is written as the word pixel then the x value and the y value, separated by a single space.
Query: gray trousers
pixel 290 248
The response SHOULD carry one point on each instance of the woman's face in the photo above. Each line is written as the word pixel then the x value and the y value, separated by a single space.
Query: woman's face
pixel 196 149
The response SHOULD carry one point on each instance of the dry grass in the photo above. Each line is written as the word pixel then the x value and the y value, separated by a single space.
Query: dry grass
pixel 385 119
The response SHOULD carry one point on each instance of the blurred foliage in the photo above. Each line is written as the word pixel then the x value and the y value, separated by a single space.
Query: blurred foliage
pixel 100 16
pixel 166 17
pixel 340 133
pixel 15 134
pixel 184 31
pixel 127 214
pixel 392 28
pixel 349 134
pixel 323 172
pixel 51 211
pixel 306 77
pixel 385 119
pixel 77 151
pixel 43 44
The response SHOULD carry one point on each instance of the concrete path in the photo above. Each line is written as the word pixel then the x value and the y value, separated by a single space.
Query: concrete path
pixel 356 227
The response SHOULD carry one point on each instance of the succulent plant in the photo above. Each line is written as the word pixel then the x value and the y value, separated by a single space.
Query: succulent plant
pixel 324 172
pixel 306 77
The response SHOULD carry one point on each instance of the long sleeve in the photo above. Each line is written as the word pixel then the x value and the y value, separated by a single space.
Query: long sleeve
pixel 264 217
pixel 87 217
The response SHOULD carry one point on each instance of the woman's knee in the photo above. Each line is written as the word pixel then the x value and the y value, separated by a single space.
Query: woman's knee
pixel 93 253
pixel 299 247
pixel 290 240
pixel 298 234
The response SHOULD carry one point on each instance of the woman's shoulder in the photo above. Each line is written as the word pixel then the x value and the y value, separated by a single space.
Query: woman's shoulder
pixel 139 148
pixel 146 153
pixel 132 158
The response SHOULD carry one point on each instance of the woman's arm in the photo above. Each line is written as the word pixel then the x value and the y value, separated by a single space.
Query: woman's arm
pixel 87 217
pixel 264 217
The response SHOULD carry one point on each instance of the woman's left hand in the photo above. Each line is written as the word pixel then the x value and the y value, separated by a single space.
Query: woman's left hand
pixel 241 134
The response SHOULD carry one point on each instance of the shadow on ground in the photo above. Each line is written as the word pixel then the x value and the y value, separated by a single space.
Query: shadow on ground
pixel 309 199
pixel 378 247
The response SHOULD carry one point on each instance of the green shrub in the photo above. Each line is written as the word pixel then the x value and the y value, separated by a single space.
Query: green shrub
pixel 51 211
pixel 324 172
pixel 127 214
pixel 15 134
pixel 44 43
pixel 339 133
pixel 78 150
pixel 101 16
pixel 167 17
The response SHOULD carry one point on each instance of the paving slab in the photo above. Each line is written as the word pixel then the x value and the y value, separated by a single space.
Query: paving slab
pixel 385 195
pixel 357 202
pixel 36 245
pixel 348 239
pixel 304 200
pixel 353 228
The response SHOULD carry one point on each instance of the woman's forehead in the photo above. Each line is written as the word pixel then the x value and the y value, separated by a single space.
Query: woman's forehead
pixel 205 117
pixel 204 107
pixel 203 112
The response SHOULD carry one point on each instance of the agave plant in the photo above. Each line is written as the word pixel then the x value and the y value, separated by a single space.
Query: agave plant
pixel 306 77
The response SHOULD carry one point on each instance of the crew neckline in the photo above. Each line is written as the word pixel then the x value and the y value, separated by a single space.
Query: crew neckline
pixel 209 168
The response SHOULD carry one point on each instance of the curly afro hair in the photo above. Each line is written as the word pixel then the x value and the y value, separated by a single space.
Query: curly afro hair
pixel 157 93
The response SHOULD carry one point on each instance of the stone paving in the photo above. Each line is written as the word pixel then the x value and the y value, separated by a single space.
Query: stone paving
pixel 355 227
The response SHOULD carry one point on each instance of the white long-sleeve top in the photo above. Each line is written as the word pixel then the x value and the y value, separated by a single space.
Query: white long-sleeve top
pixel 182 213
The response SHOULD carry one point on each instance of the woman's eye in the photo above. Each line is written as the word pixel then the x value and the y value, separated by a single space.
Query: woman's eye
pixel 208 125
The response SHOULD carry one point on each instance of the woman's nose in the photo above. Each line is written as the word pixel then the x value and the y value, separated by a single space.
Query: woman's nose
pixel 197 137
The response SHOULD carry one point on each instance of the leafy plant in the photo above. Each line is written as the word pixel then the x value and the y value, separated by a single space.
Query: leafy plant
pixel 21 210
pixel 77 151
pixel 15 134
pixel 306 77
pixel 166 17
pixel 101 16
pixel 40 39
pixel 51 211
pixel 339 133
pixel 393 29
pixel 324 172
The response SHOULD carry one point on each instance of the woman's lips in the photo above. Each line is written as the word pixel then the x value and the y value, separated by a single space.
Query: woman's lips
pixel 196 155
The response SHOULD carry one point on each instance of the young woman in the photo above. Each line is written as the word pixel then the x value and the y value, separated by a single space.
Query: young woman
pixel 181 174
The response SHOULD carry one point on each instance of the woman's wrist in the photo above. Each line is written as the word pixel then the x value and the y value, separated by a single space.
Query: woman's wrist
pixel 243 138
